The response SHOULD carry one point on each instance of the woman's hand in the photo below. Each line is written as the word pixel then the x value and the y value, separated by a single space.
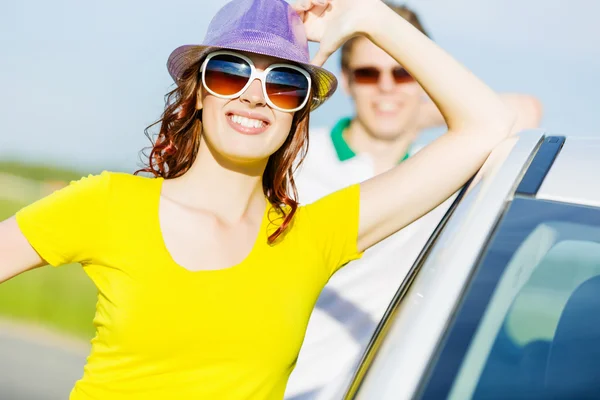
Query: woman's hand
pixel 332 22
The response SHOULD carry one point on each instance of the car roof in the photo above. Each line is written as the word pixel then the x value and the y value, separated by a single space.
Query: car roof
pixel 573 175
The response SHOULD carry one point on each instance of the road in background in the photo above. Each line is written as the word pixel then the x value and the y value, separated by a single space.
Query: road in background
pixel 38 365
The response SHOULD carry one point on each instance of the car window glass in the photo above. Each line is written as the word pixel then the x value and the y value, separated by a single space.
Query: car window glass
pixel 539 335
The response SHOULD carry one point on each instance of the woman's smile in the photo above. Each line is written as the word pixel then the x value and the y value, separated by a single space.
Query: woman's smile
pixel 248 123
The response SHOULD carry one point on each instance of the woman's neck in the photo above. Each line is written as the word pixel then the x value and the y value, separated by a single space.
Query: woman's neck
pixel 227 189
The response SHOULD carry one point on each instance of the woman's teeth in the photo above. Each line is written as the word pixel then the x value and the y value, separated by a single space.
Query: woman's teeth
pixel 247 122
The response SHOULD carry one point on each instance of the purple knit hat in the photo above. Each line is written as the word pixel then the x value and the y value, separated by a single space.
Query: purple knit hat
pixel 267 27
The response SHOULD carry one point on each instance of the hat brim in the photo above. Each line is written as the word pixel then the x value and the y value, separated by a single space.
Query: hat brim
pixel 182 58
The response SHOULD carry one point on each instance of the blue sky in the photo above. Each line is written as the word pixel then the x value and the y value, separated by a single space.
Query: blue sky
pixel 81 80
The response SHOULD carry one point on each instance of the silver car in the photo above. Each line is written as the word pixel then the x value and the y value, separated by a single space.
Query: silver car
pixel 504 300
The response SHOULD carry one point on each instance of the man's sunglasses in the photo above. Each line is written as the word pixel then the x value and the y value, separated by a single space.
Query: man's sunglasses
pixel 227 75
pixel 371 75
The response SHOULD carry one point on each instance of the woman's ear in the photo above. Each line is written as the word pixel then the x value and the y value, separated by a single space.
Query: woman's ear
pixel 199 96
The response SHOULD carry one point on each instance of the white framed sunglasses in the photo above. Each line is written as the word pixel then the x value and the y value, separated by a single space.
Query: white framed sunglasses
pixel 227 74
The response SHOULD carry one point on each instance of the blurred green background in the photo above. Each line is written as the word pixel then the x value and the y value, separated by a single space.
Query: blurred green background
pixel 61 298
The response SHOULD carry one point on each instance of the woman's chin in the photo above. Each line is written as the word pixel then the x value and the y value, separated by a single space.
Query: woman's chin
pixel 246 156
pixel 249 148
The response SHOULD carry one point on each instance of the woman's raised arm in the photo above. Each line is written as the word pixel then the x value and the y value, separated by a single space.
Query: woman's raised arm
pixel 476 117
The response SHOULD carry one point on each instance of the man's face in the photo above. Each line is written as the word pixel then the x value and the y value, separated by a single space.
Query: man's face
pixel 388 105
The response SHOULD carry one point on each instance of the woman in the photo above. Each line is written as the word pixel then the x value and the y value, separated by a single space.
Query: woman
pixel 207 273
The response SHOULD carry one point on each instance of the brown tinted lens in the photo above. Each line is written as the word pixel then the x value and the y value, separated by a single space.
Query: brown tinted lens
pixel 226 74
pixel 366 75
pixel 286 87
pixel 401 75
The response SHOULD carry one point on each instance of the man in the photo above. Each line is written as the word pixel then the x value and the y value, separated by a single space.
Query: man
pixel 391 111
